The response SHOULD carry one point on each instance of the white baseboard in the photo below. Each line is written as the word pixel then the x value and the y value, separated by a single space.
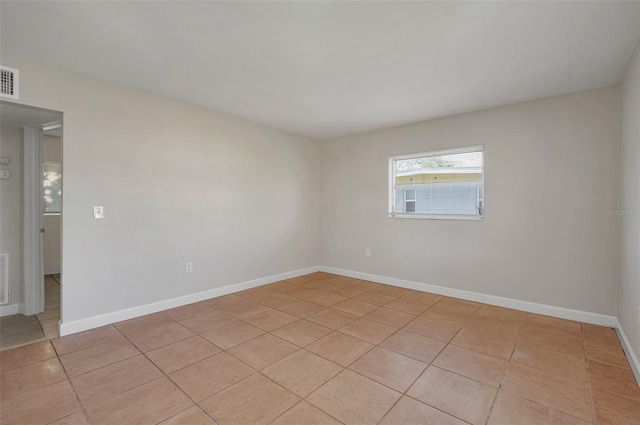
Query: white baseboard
pixel 68 328
pixel 628 350
pixel 11 309
pixel 544 309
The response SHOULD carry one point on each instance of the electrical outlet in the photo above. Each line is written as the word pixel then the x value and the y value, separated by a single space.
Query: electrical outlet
pixel 5 174
pixel 332 250
pixel 98 213
pixel 367 252
pixel 188 268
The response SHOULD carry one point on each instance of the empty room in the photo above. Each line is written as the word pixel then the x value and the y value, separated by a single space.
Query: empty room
pixel 320 212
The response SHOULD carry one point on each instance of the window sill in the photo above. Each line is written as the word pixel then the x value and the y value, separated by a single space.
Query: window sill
pixel 438 216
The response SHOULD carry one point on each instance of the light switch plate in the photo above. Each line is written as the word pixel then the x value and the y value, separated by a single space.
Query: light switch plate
pixel 4 160
pixel 98 213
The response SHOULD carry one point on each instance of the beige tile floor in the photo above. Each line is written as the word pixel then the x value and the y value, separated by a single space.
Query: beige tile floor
pixel 19 330
pixel 325 349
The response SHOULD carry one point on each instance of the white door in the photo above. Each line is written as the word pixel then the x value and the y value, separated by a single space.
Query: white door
pixel 33 228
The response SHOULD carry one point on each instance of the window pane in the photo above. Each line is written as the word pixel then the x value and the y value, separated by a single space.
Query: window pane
pixel 52 187
pixel 440 183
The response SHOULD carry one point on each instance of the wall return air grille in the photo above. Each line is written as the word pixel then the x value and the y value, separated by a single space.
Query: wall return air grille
pixel 9 79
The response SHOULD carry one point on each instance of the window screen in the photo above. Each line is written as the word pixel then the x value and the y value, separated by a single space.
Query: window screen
pixel 438 184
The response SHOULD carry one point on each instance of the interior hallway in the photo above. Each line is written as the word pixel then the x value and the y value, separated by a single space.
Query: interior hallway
pixel 20 330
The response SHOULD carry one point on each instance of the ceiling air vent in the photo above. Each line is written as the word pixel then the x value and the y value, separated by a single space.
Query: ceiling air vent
pixel 9 79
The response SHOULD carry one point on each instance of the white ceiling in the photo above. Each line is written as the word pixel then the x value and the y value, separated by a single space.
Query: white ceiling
pixel 12 115
pixel 327 69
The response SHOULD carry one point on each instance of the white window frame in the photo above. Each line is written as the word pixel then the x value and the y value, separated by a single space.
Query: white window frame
pixel 392 187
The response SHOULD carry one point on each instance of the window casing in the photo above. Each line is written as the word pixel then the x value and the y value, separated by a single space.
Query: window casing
pixel 52 187
pixel 443 184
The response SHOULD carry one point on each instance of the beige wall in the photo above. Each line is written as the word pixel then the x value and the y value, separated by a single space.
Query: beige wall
pixel 551 169
pixel 178 183
pixel 242 201
pixel 52 151
pixel 11 209
pixel 629 286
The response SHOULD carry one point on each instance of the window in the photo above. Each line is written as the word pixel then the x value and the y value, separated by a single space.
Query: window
pixel 410 200
pixel 445 184
pixel 52 187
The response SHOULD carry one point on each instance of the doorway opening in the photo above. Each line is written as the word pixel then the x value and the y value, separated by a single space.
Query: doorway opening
pixel 30 224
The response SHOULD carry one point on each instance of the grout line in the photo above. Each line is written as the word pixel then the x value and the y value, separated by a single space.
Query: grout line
pixel 450 342
pixel 404 393
pixel 394 405
pixel 333 331
pixel 378 345
pixel 165 375
pixel 436 408
pixel 430 364
pixel 506 371
pixel 305 401
pixel 568 381
pixel 73 387
pixel 296 395
pixel 140 352
pixel 586 367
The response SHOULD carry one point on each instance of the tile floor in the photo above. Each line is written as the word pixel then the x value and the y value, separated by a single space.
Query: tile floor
pixel 325 349
pixel 19 330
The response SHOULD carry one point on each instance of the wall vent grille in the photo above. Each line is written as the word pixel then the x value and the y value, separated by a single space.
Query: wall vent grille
pixel 4 279
pixel 9 79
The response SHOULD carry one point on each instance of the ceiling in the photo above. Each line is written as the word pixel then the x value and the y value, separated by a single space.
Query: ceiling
pixel 12 115
pixel 328 69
